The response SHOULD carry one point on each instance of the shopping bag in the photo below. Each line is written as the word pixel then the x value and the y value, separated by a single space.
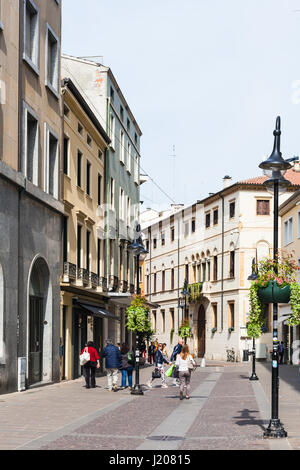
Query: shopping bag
pixel 85 357
pixel 168 372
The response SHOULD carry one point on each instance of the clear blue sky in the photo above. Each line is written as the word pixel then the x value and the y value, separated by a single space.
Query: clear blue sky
pixel 208 76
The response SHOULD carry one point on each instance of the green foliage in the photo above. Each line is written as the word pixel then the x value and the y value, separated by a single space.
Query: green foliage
pixel 185 331
pixel 257 317
pixel 294 318
pixel 138 317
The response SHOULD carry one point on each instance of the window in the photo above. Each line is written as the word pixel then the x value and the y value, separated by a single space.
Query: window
pixel 66 154
pixel 216 216
pixel 122 113
pixel 154 320
pixel 30 150
pixel 79 232
pixel 122 148
pixel 203 272
pixel 147 283
pixel 112 130
pixel 88 178
pixel 89 140
pixel 172 234
pixel 172 279
pixel 288 231
pixel 52 61
pixel 136 169
pixel 163 240
pixel 128 158
pixel 128 125
pixel 187 273
pixel 163 281
pixel 208 270
pixel 231 315
pixel 80 129
pixel 98 257
pixel 232 262
pixel 112 193
pixel 207 220
pixel 67 112
pixel 88 253
pixel 154 242
pixel 154 282
pixel 163 321
pixel 214 316
pixel 193 225
pixel 31 35
pixel 65 239
pixel 99 189
pixel 79 160
pixel 232 210
pixel 51 162
pixel 262 207
pixel 215 268
pixel 121 203
pixel 100 154
pixel 172 319
pixel 128 212
pixel 135 138
pixel 112 94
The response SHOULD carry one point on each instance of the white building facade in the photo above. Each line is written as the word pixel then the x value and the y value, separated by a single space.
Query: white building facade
pixel 211 245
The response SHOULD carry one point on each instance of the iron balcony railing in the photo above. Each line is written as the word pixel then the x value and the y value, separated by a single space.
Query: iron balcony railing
pixel 69 271
pixel 83 275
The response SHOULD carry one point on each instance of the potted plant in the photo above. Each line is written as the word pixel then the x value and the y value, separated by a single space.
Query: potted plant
pixel 138 318
pixel 275 283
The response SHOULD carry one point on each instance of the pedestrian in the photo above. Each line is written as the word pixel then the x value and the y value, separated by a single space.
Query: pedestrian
pixel 165 352
pixel 281 349
pixel 185 364
pixel 113 362
pixel 89 368
pixel 177 350
pixel 151 353
pixel 127 365
pixel 143 349
pixel 159 364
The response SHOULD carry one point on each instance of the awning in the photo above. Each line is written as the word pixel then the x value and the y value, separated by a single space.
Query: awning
pixel 97 311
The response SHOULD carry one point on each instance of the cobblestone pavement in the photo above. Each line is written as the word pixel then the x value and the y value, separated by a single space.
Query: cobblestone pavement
pixel 226 411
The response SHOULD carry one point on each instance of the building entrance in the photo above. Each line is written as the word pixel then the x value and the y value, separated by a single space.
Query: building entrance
pixel 201 331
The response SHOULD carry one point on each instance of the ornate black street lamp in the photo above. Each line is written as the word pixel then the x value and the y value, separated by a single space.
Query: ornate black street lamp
pixel 275 167
pixel 140 253
pixel 253 277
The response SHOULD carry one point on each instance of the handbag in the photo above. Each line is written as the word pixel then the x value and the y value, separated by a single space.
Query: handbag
pixel 84 357
pixel 191 365
pixel 175 372
pixel 156 374
pixel 168 372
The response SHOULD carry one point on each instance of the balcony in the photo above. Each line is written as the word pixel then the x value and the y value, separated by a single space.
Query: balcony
pixel 69 273
pixel 113 283
pixel 132 289
pixel 195 291
pixel 83 276
pixel 124 286
pixel 94 280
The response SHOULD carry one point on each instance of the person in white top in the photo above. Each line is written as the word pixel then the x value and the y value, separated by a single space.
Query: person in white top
pixel 185 363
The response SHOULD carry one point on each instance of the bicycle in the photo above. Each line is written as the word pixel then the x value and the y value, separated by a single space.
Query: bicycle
pixel 230 355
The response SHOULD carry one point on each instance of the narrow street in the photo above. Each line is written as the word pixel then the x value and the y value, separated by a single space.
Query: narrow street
pixel 226 411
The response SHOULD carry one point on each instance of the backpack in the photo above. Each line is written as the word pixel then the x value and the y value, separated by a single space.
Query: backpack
pixel 130 358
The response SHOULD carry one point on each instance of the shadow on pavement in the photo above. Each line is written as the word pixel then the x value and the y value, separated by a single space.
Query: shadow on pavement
pixel 247 419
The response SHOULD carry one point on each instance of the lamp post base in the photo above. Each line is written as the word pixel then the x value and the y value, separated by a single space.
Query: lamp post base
pixel 253 376
pixel 137 390
pixel 275 430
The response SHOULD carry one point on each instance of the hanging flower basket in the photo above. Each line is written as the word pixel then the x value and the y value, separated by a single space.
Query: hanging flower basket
pixel 274 293
pixel 275 283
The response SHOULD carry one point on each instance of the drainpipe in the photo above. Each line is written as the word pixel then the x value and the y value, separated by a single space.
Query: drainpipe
pixel 222 266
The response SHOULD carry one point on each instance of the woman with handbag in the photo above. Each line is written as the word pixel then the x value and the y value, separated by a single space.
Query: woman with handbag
pixel 128 361
pixel 185 364
pixel 159 368
pixel 89 368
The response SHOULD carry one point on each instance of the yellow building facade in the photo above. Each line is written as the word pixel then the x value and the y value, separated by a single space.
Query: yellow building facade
pixel 83 285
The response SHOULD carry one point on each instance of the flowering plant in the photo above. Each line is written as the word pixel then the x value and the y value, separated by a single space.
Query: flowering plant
pixel 282 270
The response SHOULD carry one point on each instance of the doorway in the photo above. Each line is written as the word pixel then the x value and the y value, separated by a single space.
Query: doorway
pixel 201 331
pixel 35 339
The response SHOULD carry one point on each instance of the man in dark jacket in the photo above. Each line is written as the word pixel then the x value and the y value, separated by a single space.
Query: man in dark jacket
pixel 177 350
pixel 113 362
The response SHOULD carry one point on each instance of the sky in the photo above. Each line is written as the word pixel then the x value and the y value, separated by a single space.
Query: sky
pixel 205 80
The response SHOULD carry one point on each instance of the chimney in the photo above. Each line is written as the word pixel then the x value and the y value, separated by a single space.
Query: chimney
pixel 227 181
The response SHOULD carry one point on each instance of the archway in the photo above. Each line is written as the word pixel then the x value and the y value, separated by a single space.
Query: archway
pixel 39 323
pixel 201 331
